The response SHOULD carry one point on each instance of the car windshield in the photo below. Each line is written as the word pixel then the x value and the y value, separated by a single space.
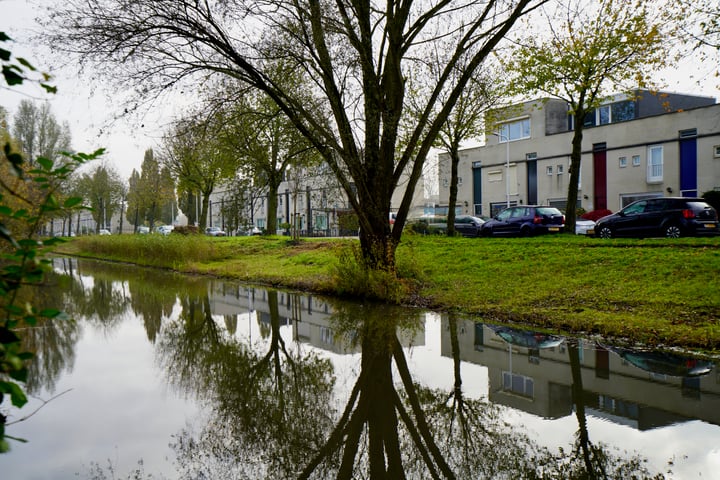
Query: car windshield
pixel 548 211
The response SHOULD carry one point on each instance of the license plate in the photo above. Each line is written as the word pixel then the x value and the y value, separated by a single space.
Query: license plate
pixel 590 232
pixel 711 225
pixel 554 229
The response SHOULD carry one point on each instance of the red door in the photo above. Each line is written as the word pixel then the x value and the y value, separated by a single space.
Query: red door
pixel 600 179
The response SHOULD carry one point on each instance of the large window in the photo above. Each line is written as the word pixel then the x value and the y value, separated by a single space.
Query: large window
pixel 516 130
pixel 655 164
pixel 605 114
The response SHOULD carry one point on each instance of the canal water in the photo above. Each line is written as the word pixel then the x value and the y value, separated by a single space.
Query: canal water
pixel 181 377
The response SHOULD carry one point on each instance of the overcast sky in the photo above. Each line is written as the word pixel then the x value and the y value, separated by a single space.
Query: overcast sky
pixel 90 110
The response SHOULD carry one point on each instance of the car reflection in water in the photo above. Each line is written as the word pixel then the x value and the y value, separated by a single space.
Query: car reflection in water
pixel 664 363
pixel 526 338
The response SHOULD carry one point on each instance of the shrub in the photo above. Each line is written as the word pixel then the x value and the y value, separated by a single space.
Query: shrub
pixel 354 278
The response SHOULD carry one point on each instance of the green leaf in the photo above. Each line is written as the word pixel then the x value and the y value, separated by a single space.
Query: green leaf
pixel 46 163
pixel 17 396
pixel 25 63
pixel 50 312
pixel 49 88
pixel 11 77
pixel 72 201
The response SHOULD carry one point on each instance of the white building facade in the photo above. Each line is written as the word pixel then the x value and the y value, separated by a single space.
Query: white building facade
pixel 650 145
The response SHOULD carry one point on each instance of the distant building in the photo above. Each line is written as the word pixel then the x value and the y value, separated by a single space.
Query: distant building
pixel 645 145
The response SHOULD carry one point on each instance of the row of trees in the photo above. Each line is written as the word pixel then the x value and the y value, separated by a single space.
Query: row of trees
pixel 245 146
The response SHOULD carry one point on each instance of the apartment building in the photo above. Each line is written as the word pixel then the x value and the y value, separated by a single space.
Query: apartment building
pixel 635 146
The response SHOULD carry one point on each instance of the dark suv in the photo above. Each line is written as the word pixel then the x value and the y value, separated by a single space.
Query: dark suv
pixel 525 220
pixel 670 217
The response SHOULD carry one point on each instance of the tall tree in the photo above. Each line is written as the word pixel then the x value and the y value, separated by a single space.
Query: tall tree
pixel 151 193
pixel 39 133
pixel 594 49
pixel 266 144
pixel 465 123
pixel 196 156
pixel 134 200
pixel 355 54
pixel 103 188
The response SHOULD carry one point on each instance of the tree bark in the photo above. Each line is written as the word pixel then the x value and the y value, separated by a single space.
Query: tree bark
pixel 575 159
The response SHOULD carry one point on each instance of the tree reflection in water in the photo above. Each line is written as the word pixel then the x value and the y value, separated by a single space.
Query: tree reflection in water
pixel 271 401
pixel 269 405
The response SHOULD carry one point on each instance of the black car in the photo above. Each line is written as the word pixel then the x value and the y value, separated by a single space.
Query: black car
pixel 670 217
pixel 525 220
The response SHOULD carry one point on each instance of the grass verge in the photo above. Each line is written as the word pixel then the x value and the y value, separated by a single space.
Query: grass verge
pixel 656 291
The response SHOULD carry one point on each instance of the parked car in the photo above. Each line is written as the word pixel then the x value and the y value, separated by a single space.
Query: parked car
pixel 468 226
pixel 525 220
pixel 671 217
pixel 465 225
pixel 431 224
pixel 143 230
pixel 104 231
pixel 214 232
pixel 164 229
pixel 583 226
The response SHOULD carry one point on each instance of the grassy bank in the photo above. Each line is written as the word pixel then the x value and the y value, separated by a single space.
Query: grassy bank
pixel 659 292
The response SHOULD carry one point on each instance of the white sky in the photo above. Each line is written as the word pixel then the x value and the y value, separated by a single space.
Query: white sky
pixel 90 110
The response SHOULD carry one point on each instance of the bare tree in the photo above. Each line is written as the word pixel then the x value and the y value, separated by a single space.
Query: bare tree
pixel 39 133
pixel 354 53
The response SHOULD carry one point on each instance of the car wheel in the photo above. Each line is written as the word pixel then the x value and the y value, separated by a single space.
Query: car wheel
pixel 486 232
pixel 672 231
pixel 605 232
pixel 525 232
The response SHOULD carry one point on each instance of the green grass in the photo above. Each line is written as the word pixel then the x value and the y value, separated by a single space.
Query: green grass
pixel 658 291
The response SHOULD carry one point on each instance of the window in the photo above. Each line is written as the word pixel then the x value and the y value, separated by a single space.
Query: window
pixel 622 111
pixel 655 164
pixel 603 115
pixel 636 160
pixel 321 222
pixel 548 169
pixel 459 181
pixel 519 384
pixel 516 130
pixel 445 182
pixel 622 161
pixel 560 169
pixel 716 151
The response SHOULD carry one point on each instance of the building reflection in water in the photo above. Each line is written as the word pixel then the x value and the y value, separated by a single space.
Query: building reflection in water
pixel 645 389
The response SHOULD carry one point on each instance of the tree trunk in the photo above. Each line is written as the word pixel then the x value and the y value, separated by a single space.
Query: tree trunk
pixel 454 161
pixel 575 158
pixel 272 206
pixel 204 211
pixel 152 215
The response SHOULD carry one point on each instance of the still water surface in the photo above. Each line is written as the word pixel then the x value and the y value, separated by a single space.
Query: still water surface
pixel 169 376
